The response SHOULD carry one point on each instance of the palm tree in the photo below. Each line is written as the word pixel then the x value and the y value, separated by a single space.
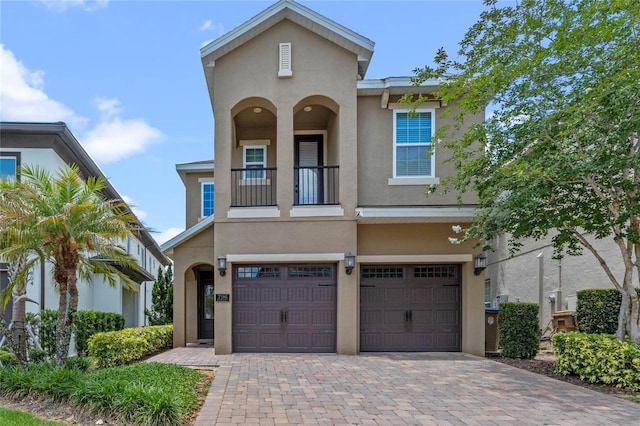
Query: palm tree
pixel 67 221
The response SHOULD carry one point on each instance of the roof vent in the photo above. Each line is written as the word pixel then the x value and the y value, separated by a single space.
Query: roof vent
pixel 285 61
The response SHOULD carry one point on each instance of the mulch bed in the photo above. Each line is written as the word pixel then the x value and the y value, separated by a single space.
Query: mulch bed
pixel 546 367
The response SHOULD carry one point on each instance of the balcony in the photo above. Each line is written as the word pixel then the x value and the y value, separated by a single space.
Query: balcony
pixel 315 185
pixel 253 187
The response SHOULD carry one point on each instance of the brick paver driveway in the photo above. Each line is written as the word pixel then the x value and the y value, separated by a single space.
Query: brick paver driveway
pixel 391 389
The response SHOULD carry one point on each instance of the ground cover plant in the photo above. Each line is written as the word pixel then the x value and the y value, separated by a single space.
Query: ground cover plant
pixel 142 393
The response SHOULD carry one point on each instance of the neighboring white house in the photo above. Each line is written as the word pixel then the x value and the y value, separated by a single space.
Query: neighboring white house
pixel 51 146
pixel 533 275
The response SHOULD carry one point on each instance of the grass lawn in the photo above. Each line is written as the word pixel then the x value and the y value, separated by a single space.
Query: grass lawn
pixel 18 418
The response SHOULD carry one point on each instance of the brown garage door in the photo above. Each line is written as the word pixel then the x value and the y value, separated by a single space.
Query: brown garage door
pixel 410 308
pixel 284 308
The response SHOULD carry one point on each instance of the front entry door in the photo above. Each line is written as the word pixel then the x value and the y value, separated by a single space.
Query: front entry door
pixel 205 304
pixel 309 175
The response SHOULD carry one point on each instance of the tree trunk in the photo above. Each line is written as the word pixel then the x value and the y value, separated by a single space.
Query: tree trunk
pixel 71 311
pixel 61 325
pixel 19 317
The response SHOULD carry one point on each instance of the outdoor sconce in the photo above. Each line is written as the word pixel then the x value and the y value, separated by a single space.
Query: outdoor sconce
pixel 349 262
pixel 480 264
pixel 222 265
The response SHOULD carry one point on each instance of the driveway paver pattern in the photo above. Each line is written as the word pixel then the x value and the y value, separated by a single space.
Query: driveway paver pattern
pixel 390 389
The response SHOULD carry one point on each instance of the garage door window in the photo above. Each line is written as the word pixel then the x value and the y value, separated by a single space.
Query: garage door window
pixel 310 271
pixel 435 272
pixel 382 272
pixel 255 271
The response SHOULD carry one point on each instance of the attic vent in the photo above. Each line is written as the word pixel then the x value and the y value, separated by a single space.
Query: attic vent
pixel 285 61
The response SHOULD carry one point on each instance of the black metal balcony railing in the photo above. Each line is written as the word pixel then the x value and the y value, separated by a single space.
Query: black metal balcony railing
pixel 253 187
pixel 315 185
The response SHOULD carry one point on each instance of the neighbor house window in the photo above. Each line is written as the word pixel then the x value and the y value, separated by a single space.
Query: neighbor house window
pixel 9 164
pixel 207 199
pixel 412 134
pixel 255 157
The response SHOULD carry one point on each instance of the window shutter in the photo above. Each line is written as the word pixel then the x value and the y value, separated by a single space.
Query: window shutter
pixel 285 61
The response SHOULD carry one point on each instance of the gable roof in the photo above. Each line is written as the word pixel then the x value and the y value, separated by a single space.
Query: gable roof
pixel 301 15
pixel 168 246
pixel 58 137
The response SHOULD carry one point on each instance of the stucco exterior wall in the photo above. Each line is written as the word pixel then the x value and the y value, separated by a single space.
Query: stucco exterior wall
pixel 320 68
pixel 198 250
pixel 518 277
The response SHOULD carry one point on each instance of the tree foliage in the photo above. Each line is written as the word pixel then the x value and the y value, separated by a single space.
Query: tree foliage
pixel 559 155
pixel 68 222
pixel 161 299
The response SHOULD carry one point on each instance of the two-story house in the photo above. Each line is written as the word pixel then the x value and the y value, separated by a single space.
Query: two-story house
pixel 52 146
pixel 322 238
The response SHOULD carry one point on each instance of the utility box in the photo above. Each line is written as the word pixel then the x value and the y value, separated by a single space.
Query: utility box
pixel 564 321
pixel 491 335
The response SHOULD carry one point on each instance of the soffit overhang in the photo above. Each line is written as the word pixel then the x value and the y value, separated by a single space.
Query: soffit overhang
pixel 444 214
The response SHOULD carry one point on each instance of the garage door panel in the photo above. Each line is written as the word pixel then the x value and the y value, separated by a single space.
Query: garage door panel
pixel 281 308
pixel 410 308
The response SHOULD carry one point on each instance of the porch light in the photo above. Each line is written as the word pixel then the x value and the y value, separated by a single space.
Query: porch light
pixel 480 264
pixel 349 262
pixel 222 265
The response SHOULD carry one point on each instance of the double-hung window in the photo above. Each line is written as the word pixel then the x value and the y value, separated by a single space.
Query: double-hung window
pixel 255 157
pixel 9 165
pixel 412 137
pixel 207 199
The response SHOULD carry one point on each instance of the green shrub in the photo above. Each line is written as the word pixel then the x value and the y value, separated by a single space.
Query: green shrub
pixel 7 358
pixel 598 310
pixel 519 329
pixel 82 364
pixel 90 322
pixel 131 344
pixel 43 325
pixel 598 358
pixel 37 356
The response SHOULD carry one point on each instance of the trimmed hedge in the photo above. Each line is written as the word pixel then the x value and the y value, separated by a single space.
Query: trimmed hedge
pixel 519 329
pixel 598 358
pixel 90 322
pixel 598 310
pixel 122 347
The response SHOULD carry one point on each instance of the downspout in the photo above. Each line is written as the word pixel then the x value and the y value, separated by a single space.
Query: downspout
pixel 541 287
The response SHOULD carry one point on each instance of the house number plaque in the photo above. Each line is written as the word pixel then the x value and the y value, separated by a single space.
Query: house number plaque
pixel 222 298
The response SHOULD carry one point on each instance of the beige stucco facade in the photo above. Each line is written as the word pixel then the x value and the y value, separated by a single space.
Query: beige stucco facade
pixel 358 206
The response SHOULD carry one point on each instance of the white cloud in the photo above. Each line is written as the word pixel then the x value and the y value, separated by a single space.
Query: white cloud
pixel 108 107
pixel 167 234
pixel 207 24
pixel 87 5
pixel 140 214
pixel 210 26
pixel 116 139
pixel 22 96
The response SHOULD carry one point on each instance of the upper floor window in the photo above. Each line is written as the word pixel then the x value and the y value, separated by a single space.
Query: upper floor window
pixel 9 164
pixel 207 199
pixel 412 134
pixel 255 157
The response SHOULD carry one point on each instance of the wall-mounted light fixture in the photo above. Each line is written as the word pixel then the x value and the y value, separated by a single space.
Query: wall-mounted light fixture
pixel 222 265
pixel 480 264
pixel 349 262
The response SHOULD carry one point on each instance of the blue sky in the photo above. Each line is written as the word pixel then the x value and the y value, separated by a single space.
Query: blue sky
pixel 126 76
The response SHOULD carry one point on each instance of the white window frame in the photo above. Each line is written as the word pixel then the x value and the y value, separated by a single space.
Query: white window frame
pixel 251 180
pixel 202 184
pixel 430 144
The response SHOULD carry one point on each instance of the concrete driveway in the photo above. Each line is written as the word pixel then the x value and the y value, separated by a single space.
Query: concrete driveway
pixel 390 389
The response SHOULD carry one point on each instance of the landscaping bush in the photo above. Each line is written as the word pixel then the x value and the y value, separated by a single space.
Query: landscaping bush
pixel 598 310
pixel 43 325
pixel 131 344
pixel 7 358
pixel 598 358
pixel 90 322
pixel 37 355
pixel 519 329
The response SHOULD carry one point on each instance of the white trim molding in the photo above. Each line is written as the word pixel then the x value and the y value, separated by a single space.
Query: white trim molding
pixel 415 214
pixel 316 211
pixel 407 181
pixel 417 258
pixel 252 212
pixel 285 257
